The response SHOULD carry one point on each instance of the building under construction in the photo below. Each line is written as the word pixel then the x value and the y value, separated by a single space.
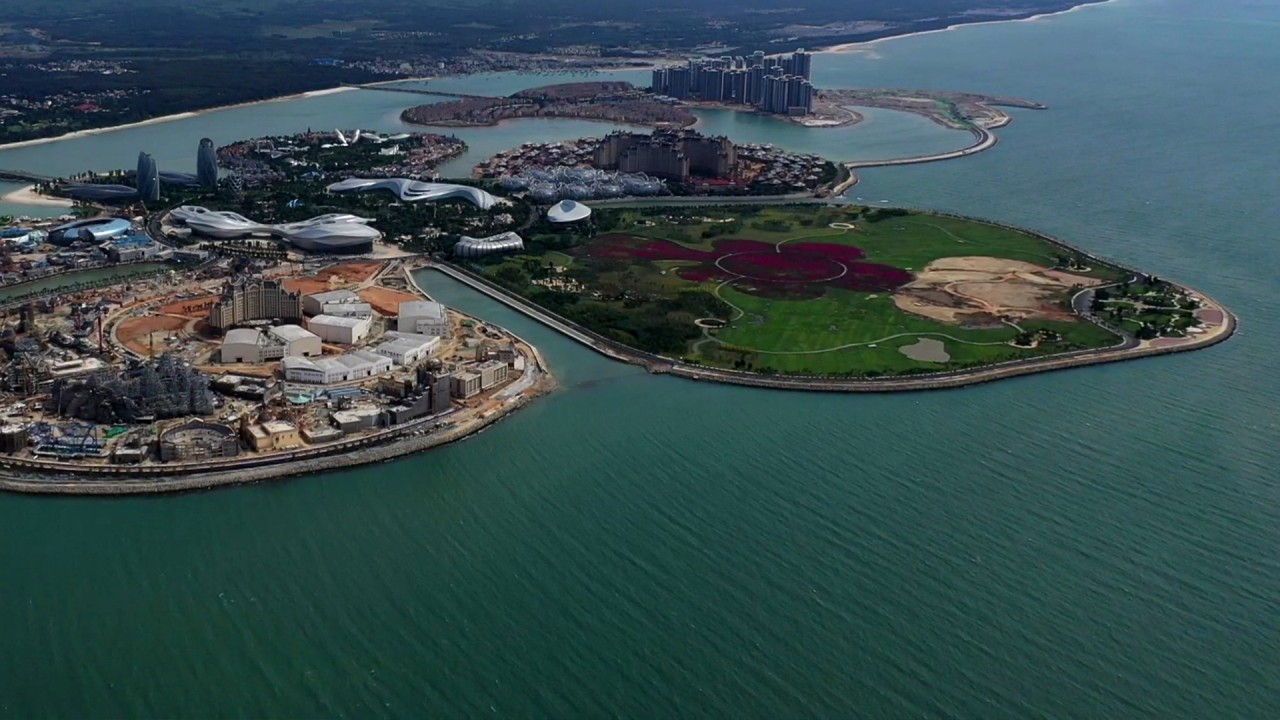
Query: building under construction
pixel 197 439
pixel 247 299
pixel 162 388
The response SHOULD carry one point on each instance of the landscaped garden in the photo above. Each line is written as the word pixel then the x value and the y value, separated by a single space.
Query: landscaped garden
pixel 813 289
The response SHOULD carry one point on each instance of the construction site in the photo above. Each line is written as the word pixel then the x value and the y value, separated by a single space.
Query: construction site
pixel 246 363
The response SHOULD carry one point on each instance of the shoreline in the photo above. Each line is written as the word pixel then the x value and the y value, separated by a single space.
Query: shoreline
pixel 27 195
pixel 170 118
pixel 405 442
pixel 852 47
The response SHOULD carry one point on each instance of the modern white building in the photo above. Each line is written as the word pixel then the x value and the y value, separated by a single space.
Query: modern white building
pixel 355 365
pixel 423 317
pixel 469 247
pixel 567 211
pixel 297 340
pixel 314 304
pixel 250 345
pixel 408 349
pixel 415 190
pixel 348 309
pixel 342 330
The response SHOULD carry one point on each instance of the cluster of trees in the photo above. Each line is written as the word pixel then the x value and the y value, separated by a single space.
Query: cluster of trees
pixel 618 310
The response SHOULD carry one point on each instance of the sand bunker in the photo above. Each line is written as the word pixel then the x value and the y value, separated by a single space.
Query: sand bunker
pixel 979 290
pixel 926 350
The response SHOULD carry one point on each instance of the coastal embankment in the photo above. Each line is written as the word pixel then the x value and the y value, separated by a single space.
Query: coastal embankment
pixel 1127 348
pixel 64 478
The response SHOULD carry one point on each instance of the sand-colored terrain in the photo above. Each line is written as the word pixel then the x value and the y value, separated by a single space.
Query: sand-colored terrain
pixel 310 285
pixel 385 302
pixel 982 290
pixel 333 278
pixel 148 334
pixel 196 307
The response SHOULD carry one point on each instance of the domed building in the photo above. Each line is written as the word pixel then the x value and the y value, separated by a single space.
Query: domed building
pixel 567 211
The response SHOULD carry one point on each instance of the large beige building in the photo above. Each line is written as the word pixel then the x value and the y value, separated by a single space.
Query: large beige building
pixel 272 435
pixel 672 155
pixel 246 300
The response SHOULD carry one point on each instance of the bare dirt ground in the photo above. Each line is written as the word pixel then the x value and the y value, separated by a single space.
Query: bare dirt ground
pixel 968 290
pixel 196 307
pixel 385 301
pixel 356 272
pixel 142 334
pixel 310 285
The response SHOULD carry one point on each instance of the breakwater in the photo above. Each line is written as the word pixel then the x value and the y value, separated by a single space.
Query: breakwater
pixel 39 476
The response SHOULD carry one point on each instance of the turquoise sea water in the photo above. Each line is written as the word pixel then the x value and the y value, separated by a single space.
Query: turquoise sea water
pixel 1099 543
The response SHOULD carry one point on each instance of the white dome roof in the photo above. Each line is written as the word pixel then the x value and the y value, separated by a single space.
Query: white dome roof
pixel 568 211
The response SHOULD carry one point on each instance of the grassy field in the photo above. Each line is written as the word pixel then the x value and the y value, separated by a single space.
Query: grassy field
pixel 768 272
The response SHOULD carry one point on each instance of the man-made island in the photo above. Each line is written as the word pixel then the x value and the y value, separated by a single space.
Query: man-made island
pixel 618 102
pixel 840 297
pixel 187 345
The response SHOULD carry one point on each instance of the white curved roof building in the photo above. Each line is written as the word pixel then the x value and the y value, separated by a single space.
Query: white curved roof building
pixel 568 211
pixel 416 190
pixel 333 233
pixel 469 247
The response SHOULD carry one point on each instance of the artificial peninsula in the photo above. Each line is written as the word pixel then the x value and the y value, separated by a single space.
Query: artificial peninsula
pixel 262 316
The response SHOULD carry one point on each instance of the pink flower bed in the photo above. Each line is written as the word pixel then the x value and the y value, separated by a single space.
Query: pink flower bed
pixel 793 271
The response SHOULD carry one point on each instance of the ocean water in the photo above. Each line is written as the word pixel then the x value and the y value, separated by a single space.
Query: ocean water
pixel 1093 543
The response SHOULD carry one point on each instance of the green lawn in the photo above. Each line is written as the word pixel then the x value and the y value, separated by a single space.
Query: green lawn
pixel 842 331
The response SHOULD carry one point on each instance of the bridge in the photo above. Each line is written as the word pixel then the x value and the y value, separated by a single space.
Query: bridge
pixel 421 91
pixel 23 176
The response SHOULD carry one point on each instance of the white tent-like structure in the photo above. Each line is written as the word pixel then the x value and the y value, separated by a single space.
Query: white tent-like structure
pixel 469 247
pixel 335 232
pixel 416 190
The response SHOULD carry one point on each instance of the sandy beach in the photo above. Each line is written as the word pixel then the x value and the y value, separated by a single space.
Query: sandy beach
pixel 867 44
pixel 28 196
pixel 171 118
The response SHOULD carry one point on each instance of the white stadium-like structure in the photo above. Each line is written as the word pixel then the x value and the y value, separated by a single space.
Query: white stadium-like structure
pixel 337 233
pixel 567 211
pixel 469 247
pixel 416 190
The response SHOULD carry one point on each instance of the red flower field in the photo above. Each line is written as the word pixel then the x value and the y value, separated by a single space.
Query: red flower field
pixel 786 272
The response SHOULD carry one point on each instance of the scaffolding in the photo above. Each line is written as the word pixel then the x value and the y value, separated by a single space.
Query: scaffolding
pixel 161 388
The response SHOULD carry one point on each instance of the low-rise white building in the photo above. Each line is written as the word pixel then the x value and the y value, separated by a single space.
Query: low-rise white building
pixel 297 340
pixel 314 304
pixel 348 309
pixel 355 365
pixel 250 345
pixel 343 330
pixel 423 317
pixel 408 349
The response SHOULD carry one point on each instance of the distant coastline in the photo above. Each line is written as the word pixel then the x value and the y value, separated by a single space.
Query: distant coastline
pixel 171 118
pixel 849 47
